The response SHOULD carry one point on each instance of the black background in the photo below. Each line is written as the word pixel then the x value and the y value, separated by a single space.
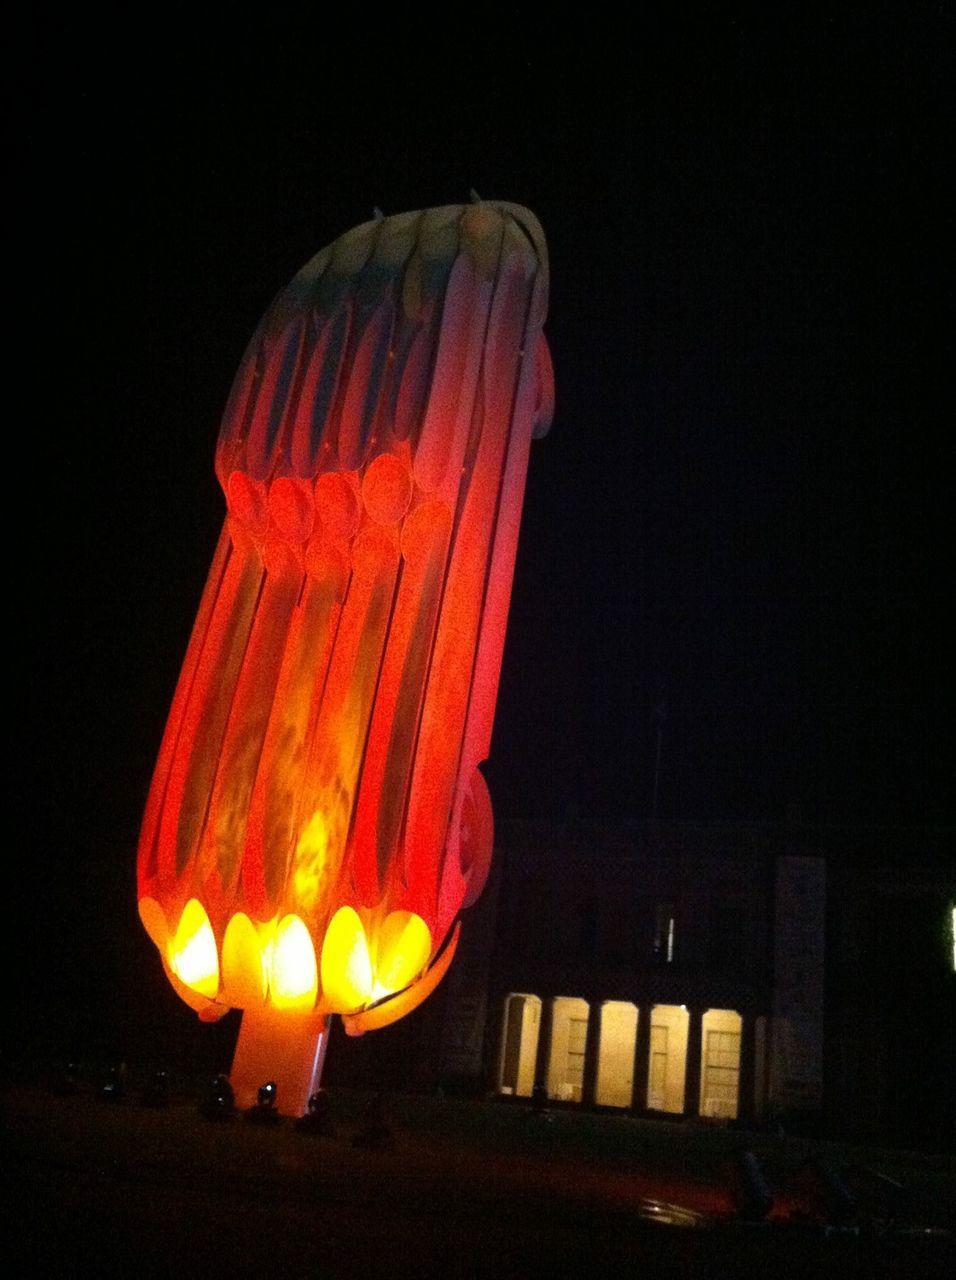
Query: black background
pixel 743 510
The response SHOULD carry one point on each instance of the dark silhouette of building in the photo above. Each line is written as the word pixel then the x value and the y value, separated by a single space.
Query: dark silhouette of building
pixel 728 971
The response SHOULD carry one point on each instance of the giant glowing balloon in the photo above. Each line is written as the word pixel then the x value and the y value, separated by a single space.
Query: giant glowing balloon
pixel 317 818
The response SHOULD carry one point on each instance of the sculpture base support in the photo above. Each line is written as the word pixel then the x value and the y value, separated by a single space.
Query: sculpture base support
pixel 287 1048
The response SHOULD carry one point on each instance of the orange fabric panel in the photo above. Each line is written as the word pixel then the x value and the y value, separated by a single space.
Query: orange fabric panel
pixel 316 817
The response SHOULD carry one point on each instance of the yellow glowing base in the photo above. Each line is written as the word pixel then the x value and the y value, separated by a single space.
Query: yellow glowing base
pixel 370 968
pixel 276 964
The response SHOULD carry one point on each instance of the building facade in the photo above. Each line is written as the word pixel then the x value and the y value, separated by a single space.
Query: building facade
pixel 722 971
pixel 632 973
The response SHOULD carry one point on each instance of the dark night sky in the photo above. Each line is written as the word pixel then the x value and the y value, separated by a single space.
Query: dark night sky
pixel 746 497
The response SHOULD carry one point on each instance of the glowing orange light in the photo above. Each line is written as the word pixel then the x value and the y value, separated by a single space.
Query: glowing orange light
pixel 245 971
pixel 295 978
pixel 346 963
pixel 404 945
pixel 317 818
pixel 192 951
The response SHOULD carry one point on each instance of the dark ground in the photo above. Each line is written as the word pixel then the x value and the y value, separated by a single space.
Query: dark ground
pixel 468 1189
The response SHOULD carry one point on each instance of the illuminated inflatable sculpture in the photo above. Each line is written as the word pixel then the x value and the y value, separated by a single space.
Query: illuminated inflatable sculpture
pixel 317 819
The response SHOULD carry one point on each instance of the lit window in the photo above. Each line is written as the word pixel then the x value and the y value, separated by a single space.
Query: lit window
pixel 519 1047
pixel 665 932
pixel 569 1035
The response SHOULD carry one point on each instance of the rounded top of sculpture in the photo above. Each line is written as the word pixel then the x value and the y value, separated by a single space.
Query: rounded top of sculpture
pixel 436 234
pixel 351 355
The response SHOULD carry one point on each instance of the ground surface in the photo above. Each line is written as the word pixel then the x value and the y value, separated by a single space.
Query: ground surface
pixel 467 1189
